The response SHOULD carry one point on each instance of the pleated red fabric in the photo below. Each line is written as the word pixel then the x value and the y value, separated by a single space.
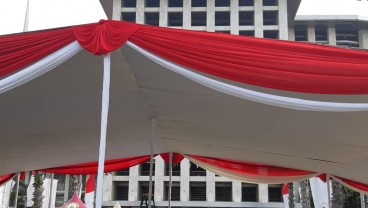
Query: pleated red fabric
pixel 91 167
pixel 246 168
pixel 176 159
pixel 105 36
pixel 19 50
pixel 6 178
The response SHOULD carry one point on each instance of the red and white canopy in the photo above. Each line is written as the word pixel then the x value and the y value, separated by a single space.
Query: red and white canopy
pixel 284 104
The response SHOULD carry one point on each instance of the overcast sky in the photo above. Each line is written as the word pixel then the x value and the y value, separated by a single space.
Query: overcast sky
pixel 58 13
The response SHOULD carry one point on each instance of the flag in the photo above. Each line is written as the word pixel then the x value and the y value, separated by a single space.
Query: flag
pixel 89 197
pixel 285 195
pixel 117 205
pixel 319 192
pixel 74 202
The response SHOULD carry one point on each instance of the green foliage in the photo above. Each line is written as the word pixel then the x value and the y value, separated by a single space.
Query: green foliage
pixel 291 195
pixel 305 194
pixel 73 185
pixel 38 190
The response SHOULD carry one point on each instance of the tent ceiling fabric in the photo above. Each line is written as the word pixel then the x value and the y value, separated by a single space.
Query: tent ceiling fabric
pixel 54 120
pixel 193 119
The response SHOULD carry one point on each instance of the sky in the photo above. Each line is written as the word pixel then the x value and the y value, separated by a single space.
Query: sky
pixel 59 13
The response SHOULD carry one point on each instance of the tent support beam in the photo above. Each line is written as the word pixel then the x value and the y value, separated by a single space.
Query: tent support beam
pixel 170 176
pixel 104 115
pixel 16 191
pixel 328 190
pixel 153 124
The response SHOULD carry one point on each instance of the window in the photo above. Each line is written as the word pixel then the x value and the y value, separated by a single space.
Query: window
pixel 199 3
pixel 246 33
pixel 222 18
pixel 197 191
pixel 321 34
pixel 199 19
pixel 123 172
pixel 272 34
pixel 128 3
pixel 300 33
pixel 175 3
pixel 175 19
pixel 175 169
pixel 275 193
pixel 347 35
pixel 270 17
pixel 246 2
pixel 224 191
pixel 128 16
pixel 151 18
pixel 175 191
pixel 195 170
pixel 145 168
pixel 269 2
pixel 144 189
pixel 223 31
pixel 246 18
pixel 222 3
pixel 59 201
pixel 122 191
pixel 249 192
pixel 152 3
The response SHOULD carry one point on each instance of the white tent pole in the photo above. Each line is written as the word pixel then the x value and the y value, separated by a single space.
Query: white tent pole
pixel 328 190
pixel 104 115
pixel 153 123
pixel 16 191
pixel 50 191
pixel 170 175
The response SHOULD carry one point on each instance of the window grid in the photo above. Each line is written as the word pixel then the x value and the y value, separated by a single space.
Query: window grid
pixel 151 12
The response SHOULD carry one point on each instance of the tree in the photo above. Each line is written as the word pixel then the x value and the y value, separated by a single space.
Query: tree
pixel 291 195
pixel 338 195
pixel 305 194
pixel 73 185
pixel 38 190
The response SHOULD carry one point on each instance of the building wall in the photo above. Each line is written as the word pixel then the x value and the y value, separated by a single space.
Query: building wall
pixel 193 186
pixel 342 33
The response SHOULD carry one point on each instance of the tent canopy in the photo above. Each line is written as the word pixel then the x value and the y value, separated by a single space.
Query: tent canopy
pixel 54 120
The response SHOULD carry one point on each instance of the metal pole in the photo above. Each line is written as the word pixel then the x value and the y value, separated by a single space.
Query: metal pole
pixel 16 191
pixel 26 18
pixel 170 174
pixel 104 115
pixel 153 123
pixel 328 190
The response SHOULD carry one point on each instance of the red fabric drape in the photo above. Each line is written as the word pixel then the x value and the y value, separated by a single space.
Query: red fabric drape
pixel 105 36
pixel 91 167
pixel 275 64
pixel 250 168
pixel 19 50
pixel 6 178
pixel 176 159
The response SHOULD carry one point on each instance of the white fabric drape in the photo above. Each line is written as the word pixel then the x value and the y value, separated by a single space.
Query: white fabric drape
pixel 104 119
pixel 250 178
pixel 274 100
pixel 319 192
pixel 40 67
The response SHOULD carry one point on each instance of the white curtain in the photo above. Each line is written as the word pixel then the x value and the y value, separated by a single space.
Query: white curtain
pixel 248 178
pixel 40 67
pixel 319 192
pixel 275 100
